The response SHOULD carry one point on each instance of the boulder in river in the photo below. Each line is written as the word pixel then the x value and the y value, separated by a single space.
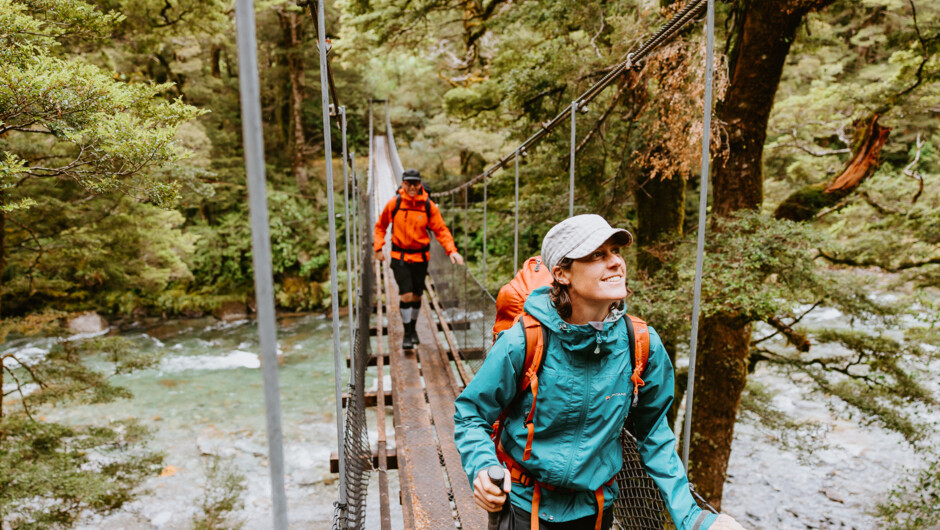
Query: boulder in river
pixel 88 322
pixel 232 311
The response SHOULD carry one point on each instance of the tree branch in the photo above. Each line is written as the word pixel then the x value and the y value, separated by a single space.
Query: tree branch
pixel 19 387
pixel 868 263
pixel 795 321
pixel 914 174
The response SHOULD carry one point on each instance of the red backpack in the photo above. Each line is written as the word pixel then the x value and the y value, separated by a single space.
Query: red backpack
pixel 509 310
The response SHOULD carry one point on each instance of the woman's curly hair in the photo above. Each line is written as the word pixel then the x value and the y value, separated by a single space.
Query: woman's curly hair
pixel 559 294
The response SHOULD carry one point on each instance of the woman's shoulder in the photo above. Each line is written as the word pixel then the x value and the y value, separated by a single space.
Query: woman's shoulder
pixel 512 343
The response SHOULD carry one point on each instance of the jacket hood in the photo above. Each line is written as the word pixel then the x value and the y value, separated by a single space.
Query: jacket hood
pixel 596 338
pixel 418 199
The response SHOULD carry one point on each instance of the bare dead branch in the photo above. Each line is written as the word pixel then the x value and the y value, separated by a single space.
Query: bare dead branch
pixel 909 170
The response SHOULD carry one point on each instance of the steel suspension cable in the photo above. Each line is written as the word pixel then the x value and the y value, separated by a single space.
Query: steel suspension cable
pixel 334 290
pixel 261 249
pixel 571 164
pixel 664 34
pixel 700 249
pixel 515 243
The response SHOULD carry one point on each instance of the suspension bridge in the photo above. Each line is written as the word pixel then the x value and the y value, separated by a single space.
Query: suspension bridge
pixel 454 329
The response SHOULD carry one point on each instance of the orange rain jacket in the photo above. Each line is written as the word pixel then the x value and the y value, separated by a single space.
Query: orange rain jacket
pixel 410 228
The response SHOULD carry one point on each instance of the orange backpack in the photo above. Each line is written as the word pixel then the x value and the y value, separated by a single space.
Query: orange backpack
pixel 510 309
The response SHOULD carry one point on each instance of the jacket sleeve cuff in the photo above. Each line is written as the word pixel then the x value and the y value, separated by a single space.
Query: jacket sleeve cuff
pixel 704 520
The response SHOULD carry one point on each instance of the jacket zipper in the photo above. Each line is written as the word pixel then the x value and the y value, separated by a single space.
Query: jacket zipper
pixel 584 407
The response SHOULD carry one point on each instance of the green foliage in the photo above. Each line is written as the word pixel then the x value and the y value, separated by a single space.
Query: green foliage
pixel 81 254
pixel 915 502
pixel 51 474
pixel 222 495
pixel 81 197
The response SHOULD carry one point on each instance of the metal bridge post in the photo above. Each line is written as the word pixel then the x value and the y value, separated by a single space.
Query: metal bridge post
pixel 574 112
pixel 483 295
pixel 466 245
pixel 515 243
pixel 261 248
pixel 702 205
pixel 354 196
pixel 334 290
pixel 349 250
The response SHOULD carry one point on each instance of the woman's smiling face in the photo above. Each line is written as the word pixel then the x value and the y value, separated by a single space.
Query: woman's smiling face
pixel 598 279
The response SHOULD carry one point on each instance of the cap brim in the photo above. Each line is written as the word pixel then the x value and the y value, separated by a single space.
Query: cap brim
pixel 595 240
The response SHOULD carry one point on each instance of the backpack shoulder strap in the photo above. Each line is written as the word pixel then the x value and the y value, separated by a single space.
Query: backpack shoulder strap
pixel 534 353
pixel 397 207
pixel 640 344
pixel 427 208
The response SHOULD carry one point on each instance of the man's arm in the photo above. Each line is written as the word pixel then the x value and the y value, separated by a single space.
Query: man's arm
pixel 443 235
pixel 381 227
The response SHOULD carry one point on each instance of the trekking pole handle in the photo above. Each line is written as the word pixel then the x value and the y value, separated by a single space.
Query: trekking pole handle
pixel 497 476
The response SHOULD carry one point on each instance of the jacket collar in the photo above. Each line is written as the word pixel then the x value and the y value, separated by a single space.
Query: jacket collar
pixel 595 338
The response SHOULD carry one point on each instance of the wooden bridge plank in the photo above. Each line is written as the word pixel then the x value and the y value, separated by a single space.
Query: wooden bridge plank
pixel 442 388
pixel 425 505
pixel 385 513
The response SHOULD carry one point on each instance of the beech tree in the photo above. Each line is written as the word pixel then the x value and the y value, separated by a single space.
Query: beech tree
pixel 82 204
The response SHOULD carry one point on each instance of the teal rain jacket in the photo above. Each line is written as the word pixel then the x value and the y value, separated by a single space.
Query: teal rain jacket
pixel 583 398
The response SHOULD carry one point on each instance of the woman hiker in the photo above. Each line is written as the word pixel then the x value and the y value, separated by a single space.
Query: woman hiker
pixel 562 455
pixel 411 214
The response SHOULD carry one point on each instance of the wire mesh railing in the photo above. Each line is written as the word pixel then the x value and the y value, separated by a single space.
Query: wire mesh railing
pixel 357 449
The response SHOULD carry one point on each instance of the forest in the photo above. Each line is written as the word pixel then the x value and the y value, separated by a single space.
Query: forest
pixel 123 192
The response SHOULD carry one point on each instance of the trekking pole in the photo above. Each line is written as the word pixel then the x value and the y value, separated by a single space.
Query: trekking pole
pixel 497 475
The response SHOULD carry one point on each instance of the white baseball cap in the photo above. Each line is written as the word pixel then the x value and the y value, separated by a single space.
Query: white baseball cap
pixel 578 236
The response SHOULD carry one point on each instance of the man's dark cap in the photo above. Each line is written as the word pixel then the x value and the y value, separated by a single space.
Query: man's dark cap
pixel 411 174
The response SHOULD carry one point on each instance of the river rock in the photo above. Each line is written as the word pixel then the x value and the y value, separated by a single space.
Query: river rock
pixel 88 322
pixel 232 311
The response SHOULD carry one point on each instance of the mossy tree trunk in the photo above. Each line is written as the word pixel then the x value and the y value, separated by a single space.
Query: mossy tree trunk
pixel 805 203
pixel 760 42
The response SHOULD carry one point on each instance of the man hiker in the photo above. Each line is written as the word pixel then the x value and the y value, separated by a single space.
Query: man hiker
pixel 412 215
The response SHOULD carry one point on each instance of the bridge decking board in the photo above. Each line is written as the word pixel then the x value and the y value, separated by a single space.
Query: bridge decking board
pixel 425 505
pixel 380 356
pixel 442 388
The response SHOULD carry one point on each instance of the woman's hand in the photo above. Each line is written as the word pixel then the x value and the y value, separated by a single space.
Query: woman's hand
pixel 487 495
pixel 724 522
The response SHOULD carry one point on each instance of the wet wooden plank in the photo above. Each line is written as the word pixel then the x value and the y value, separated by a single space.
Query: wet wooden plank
pixel 425 504
pixel 383 463
pixel 372 359
pixel 441 387
pixel 372 398
pixel 378 454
